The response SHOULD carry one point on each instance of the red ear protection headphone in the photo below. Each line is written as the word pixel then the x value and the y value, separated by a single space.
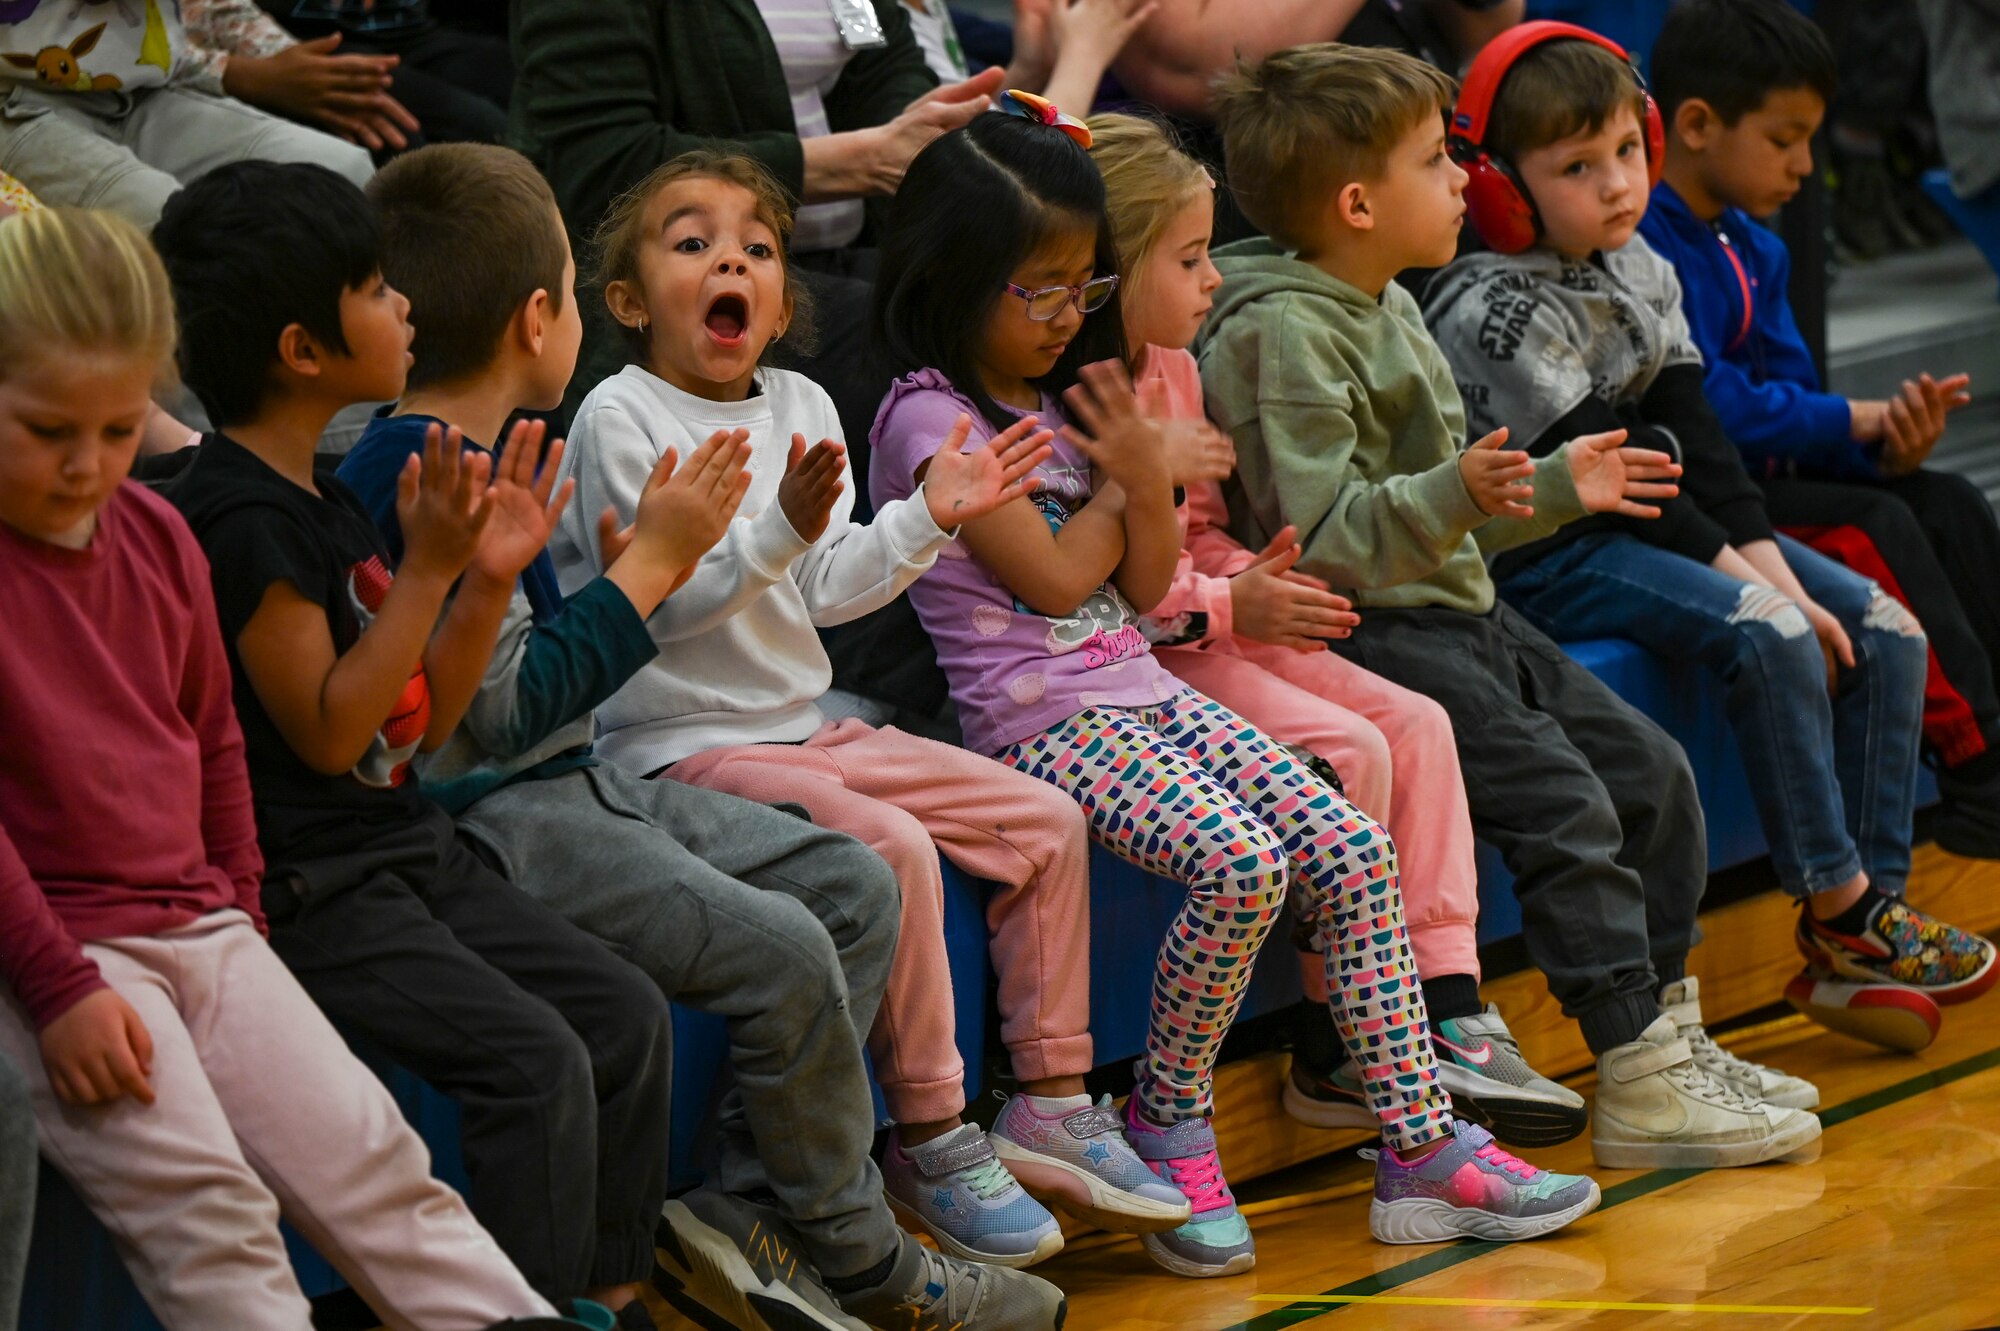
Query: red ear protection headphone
pixel 1494 198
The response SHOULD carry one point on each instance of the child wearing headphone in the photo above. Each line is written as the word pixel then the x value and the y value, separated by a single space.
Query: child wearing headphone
pixel 1574 324
pixel 1348 427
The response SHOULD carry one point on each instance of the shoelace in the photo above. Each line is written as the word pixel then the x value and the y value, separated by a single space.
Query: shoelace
pixel 1707 1050
pixel 1701 1082
pixel 988 1180
pixel 950 1291
pixel 1199 1177
pixel 1492 1154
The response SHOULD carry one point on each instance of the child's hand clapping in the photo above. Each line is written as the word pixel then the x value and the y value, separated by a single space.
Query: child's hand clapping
pixel 1611 478
pixel 1197 452
pixel 811 484
pixel 97 1051
pixel 1121 439
pixel 1272 602
pixel 962 484
pixel 524 512
pixel 443 505
pixel 1909 425
pixel 1501 482
pixel 684 510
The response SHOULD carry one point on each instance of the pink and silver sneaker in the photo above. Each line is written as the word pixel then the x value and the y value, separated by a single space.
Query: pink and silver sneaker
pixel 1472 1188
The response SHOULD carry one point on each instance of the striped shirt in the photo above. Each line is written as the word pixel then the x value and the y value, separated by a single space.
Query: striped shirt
pixel 810 49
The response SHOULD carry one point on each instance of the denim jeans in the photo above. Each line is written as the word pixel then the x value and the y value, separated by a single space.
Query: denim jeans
pixel 1834 777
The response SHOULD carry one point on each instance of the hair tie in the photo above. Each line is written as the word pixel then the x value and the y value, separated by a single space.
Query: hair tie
pixel 1043 112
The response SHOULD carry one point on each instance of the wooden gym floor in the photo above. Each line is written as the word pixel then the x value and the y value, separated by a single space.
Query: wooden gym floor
pixel 1896 1225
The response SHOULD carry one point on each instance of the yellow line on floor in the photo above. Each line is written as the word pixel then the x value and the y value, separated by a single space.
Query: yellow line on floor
pixel 1418 1301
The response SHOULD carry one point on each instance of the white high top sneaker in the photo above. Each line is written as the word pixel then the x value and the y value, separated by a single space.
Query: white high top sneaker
pixel 1657 1109
pixel 1681 1000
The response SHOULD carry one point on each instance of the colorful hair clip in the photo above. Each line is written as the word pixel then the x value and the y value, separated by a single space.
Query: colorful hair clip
pixel 1043 112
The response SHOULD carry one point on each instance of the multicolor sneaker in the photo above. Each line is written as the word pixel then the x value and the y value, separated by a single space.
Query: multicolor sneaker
pixel 1681 1000
pixel 1492 1085
pixel 1072 1154
pixel 1888 1015
pixel 1216 1239
pixel 928 1291
pixel 1328 1099
pixel 724 1261
pixel 955 1189
pixel 1471 1188
pixel 1901 945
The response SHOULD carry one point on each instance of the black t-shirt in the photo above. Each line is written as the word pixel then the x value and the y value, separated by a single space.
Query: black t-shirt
pixel 258 528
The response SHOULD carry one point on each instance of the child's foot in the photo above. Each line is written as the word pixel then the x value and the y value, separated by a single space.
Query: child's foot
pixel 1470 1188
pixel 1072 1154
pixel 725 1261
pixel 1657 1109
pixel 1899 945
pixel 1681 1000
pixel 928 1291
pixel 1492 1085
pixel 1890 1015
pixel 1216 1239
pixel 955 1189
pixel 1323 1098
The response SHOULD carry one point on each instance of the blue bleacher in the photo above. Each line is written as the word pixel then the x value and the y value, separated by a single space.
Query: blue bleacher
pixel 76 1282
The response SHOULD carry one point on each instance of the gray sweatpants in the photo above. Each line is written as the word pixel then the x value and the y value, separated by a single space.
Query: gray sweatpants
pixel 17 1187
pixel 129 153
pixel 736 908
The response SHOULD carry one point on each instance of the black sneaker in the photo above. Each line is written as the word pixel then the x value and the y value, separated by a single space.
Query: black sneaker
pixel 729 1264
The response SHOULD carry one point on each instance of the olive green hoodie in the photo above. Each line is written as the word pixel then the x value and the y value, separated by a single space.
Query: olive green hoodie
pixel 1348 426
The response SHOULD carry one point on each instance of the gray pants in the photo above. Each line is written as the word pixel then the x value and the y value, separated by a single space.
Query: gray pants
pixel 17 1188
pixel 1592 806
pixel 784 929
pixel 129 153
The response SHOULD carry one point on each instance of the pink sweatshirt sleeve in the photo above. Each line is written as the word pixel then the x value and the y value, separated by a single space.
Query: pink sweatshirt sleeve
pixel 1215 552
pixel 1193 592
pixel 228 824
pixel 39 958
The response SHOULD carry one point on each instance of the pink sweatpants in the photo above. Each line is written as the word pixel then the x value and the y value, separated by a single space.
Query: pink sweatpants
pixel 909 798
pixel 1396 757
pixel 259 1109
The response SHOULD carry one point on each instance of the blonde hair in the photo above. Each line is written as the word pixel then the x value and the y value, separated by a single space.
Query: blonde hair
pixel 615 243
pixel 78 280
pixel 1148 179
pixel 1306 122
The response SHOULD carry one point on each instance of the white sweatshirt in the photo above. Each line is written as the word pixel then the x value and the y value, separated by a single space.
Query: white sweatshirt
pixel 739 662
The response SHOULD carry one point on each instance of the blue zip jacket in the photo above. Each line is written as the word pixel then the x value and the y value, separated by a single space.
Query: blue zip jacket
pixel 1758 375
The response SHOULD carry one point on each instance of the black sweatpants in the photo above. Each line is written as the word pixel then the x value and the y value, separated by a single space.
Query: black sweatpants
pixel 1592 806
pixel 1930 540
pixel 558 1053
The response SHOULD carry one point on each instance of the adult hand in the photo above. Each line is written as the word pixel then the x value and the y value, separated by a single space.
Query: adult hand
pixel 938 111
pixel 97 1051
pixel 347 94
pixel 1272 603
pixel 1096 29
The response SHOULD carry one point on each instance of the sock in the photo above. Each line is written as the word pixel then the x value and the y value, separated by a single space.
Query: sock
pixel 1448 996
pixel 1855 918
pixel 1055 1106
pixel 868 1279
pixel 1315 1041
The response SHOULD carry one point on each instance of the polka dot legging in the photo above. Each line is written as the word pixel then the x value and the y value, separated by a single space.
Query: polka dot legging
pixel 1190 790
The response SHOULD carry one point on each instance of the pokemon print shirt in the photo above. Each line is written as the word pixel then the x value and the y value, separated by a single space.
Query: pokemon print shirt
pixel 1014 672
pixel 90 45
pixel 257 529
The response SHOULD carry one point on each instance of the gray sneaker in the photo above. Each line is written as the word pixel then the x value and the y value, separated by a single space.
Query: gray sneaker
pixel 730 1264
pixel 1077 1159
pixel 1480 1064
pixel 929 1291
pixel 955 1189
pixel 1682 1001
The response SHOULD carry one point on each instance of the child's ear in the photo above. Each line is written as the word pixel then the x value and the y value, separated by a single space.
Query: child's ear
pixel 1695 125
pixel 785 315
pixel 625 303
pixel 531 321
pixel 1351 206
pixel 299 352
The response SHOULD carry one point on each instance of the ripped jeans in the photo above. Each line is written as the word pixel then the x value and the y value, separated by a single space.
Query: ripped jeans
pixel 1835 777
